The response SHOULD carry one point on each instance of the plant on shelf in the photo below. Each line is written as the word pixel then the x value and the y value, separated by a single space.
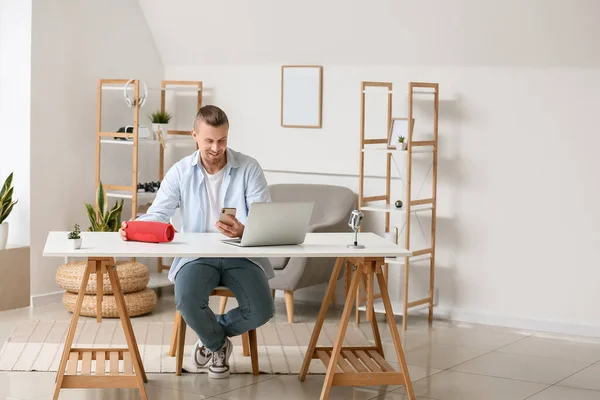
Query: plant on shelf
pixel 401 145
pixel 101 218
pixel 6 206
pixel 75 237
pixel 160 119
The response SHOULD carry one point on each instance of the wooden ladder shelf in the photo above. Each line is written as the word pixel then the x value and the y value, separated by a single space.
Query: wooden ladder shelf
pixel 410 206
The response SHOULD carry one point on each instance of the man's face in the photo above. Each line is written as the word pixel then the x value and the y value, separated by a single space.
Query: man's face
pixel 212 142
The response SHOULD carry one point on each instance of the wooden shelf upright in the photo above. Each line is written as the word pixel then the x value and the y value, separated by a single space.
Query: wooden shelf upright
pixel 409 207
pixel 174 85
pixel 120 191
pixel 165 86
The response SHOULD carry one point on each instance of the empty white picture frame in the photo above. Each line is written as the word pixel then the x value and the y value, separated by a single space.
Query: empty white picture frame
pixel 301 96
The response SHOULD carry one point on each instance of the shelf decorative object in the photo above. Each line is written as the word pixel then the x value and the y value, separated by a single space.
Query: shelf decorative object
pixel 398 133
pixel 160 123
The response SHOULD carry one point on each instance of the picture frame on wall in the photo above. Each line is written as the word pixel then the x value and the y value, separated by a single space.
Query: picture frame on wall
pixel 398 128
pixel 301 96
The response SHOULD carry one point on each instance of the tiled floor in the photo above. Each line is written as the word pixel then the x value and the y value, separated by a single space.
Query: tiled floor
pixel 446 362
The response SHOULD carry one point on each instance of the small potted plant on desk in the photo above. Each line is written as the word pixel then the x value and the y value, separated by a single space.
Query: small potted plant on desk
pixel 401 145
pixel 160 121
pixel 75 237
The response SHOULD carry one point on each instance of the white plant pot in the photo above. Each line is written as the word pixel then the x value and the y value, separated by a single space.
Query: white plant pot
pixel 163 128
pixel 75 243
pixel 3 235
pixel 401 146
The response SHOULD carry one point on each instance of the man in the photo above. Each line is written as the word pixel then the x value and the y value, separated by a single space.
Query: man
pixel 202 184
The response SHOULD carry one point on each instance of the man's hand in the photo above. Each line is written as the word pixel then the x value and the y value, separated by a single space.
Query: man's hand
pixel 122 230
pixel 234 229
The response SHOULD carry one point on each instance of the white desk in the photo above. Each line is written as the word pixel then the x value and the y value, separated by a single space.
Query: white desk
pixel 346 366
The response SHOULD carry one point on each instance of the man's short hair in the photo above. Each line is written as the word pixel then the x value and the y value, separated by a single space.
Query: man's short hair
pixel 211 115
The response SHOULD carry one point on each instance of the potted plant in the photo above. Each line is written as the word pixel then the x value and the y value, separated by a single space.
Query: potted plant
pixel 401 145
pixel 160 120
pixel 101 219
pixel 6 206
pixel 75 237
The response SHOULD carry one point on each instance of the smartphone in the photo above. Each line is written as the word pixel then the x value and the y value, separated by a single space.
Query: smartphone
pixel 224 212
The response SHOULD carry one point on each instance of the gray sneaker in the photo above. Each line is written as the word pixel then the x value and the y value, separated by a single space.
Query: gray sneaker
pixel 220 361
pixel 201 355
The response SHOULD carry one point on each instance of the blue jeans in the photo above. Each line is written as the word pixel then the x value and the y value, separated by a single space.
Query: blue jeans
pixel 196 280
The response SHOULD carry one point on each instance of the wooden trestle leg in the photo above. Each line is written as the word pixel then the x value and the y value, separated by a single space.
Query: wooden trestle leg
pixel 72 374
pixel 352 365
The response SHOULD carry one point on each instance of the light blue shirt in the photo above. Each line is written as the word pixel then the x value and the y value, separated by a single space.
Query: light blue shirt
pixel 183 186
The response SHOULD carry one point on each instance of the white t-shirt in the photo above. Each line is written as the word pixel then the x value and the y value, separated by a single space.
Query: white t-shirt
pixel 214 184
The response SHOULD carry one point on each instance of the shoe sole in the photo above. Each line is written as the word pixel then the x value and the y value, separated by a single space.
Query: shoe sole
pixel 218 375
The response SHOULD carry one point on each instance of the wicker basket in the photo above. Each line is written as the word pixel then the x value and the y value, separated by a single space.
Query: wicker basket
pixel 133 277
pixel 138 303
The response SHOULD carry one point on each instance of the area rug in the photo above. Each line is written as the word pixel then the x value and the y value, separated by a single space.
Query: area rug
pixel 36 345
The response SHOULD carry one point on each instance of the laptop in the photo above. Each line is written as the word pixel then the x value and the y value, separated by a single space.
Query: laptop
pixel 275 224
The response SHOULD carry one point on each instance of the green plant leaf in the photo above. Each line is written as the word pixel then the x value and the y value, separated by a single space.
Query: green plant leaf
pixel 92 217
pixel 113 220
pixel 6 185
pixel 6 202
pixel 6 213
pixel 101 199
pixel 7 196
pixel 160 117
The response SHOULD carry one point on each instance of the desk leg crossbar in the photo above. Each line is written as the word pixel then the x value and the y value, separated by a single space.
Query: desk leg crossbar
pixel 73 374
pixel 357 366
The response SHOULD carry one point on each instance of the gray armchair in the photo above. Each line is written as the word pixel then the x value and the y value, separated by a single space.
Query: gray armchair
pixel 333 206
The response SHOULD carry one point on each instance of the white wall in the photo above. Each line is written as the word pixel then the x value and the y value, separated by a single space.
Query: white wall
pixel 15 78
pixel 517 238
pixel 74 44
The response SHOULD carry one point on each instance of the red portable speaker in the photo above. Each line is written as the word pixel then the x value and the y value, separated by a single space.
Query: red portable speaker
pixel 149 231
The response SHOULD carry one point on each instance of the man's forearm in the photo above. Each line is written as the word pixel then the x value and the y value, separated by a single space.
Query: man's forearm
pixel 153 216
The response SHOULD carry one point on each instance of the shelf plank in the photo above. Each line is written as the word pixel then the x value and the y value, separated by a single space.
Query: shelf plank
pixel 175 141
pixel 419 149
pixel 123 194
pixel 392 208
pixel 120 87
pixel 396 260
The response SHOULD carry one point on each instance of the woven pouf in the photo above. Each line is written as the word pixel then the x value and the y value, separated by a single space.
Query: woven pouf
pixel 133 277
pixel 138 303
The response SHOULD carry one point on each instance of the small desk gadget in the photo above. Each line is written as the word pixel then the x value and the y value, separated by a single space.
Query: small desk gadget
pixel 346 366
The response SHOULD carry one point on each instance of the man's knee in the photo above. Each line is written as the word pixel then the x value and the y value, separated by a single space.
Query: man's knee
pixel 263 312
pixel 187 297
